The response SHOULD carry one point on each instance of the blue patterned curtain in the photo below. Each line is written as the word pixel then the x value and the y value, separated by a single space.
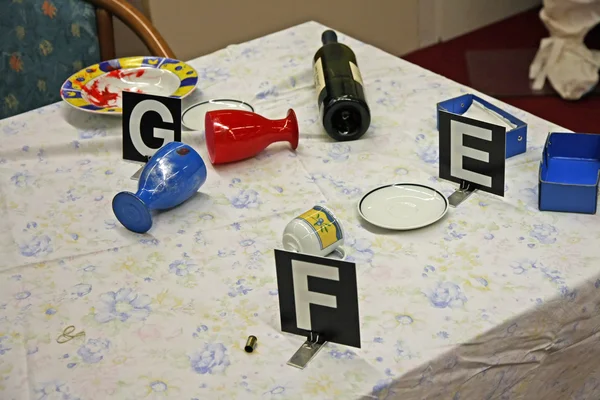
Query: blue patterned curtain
pixel 43 43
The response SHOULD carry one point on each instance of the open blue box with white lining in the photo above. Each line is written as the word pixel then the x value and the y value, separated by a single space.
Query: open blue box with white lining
pixel 569 173
pixel 472 106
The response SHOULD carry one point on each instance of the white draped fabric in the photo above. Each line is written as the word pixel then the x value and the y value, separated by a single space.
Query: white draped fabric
pixel 563 58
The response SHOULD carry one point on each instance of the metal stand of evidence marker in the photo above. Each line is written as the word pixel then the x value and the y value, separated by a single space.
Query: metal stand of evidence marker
pixel 306 352
pixel 461 194
pixel 136 176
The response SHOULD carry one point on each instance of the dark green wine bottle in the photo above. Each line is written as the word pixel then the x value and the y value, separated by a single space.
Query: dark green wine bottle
pixel 342 103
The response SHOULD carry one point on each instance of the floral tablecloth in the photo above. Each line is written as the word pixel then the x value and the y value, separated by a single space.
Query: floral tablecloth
pixel 496 301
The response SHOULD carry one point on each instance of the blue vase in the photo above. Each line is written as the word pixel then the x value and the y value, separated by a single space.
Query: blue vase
pixel 173 174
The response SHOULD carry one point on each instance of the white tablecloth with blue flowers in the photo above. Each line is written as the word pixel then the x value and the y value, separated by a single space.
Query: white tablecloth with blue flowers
pixel 496 301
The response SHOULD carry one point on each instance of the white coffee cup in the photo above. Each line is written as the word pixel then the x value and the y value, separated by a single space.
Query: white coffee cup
pixel 317 232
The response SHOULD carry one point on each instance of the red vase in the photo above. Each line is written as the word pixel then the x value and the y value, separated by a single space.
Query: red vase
pixel 234 135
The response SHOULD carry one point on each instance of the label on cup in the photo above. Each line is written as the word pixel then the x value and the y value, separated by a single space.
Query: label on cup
pixel 326 227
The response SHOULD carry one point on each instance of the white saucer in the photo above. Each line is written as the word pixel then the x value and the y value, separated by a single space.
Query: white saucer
pixel 403 206
pixel 193 117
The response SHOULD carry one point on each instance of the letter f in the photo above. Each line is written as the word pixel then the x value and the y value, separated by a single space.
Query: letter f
pixel 303 297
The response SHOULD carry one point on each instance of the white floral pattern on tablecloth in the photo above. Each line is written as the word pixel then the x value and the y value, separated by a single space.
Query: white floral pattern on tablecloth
pixel 496 301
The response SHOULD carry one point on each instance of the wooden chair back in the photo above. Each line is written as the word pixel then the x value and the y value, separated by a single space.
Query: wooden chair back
pixel 135 20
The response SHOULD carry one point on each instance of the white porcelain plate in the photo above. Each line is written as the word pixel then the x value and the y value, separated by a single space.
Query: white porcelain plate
pixel 193 116
pixel 403 206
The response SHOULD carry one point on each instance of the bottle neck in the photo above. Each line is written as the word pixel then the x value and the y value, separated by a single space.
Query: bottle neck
pixel 329 36
pixel 286 129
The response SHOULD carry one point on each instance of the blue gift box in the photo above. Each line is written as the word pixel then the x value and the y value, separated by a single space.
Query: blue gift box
pixel 569 169
pixel 516 139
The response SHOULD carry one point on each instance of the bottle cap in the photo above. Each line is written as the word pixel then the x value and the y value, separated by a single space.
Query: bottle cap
pixel 329 36
pixel 347 119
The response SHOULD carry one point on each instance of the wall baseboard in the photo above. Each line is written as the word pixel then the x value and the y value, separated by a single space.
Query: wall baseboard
pixel 441 20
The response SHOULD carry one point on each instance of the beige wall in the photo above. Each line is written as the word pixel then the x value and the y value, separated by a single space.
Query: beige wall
pixel 206 26
pixel 441 20
pixel 126 42
pixel 197 27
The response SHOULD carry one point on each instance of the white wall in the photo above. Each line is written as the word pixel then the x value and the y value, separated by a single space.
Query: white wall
pixel 441 20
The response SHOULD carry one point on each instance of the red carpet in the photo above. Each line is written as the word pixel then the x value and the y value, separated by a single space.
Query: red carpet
pixel 521 31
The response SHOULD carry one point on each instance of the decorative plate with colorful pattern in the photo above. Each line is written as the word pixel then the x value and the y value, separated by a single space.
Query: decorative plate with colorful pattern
pixel 98 88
